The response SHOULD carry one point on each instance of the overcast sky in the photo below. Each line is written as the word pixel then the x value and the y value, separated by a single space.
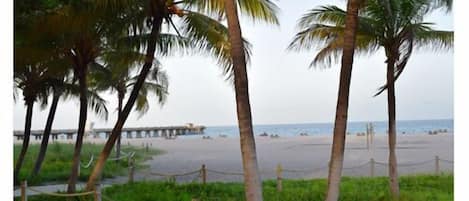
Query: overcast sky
pixel 282 87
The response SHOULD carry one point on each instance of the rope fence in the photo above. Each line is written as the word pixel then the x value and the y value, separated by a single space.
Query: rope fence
pixel 24 192
pixel 202 173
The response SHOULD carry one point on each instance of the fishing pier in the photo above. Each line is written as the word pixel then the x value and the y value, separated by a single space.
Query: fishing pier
pixel 129 133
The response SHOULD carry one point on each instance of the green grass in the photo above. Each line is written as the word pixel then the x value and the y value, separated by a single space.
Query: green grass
pixel 58 161
pixel 413 188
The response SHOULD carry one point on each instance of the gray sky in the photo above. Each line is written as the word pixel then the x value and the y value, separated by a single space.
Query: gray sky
pixel 282 87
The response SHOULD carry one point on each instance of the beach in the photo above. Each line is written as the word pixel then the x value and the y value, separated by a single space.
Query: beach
pixel 299 156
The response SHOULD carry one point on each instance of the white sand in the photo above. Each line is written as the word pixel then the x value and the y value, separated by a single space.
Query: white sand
pixel 309 153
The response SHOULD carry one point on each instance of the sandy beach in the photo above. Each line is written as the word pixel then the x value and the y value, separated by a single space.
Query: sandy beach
pixel 300 156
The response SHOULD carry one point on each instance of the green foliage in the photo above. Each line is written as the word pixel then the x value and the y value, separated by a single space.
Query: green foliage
pixel 58 161
pixel 397 26
pixel 413 188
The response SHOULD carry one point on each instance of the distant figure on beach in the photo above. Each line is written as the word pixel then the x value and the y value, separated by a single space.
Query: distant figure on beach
pixel 432 132
pixel 274 136
pixel 303 134
pixel 206 137
pixel 264 134
pixel 223 136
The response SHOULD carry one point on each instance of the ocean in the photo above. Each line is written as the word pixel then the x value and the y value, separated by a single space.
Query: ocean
pixel 403 127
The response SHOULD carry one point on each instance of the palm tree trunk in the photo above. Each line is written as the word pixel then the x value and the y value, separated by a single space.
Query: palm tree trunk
pixel 155 31
pixel 340 124
pixel 253 183
pixel 24 148
pixel 393 177
pixel 80 133
pixel 120 97
pixel 45 136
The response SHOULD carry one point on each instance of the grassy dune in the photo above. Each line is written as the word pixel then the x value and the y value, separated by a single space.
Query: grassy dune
pixel 58 161
pixel 413 188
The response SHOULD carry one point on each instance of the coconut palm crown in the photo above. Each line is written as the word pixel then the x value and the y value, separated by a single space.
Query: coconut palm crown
pixel 397 26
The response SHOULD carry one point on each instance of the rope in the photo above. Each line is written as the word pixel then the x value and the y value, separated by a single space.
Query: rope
pixel 61 194
pixel 405 164
pixel 358 166
pixel 173 175
pixel 197 177
pixel 223 172
pixel 380 163
pixel 306 171
pixel 448 161
pixel 131 154
pixel 89 163
pixel 302 171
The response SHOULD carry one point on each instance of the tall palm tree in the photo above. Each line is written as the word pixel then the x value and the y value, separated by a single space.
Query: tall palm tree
pixel 340 123
pixel 253 182
pixel 210 39
pixel 397 26
pixel 263 10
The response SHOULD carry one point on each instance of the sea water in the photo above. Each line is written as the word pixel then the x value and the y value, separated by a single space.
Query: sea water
pixel 407 127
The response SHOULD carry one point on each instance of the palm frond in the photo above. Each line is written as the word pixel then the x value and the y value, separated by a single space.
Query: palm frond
pixel 257 10
pixel 212 39
pixel 97 104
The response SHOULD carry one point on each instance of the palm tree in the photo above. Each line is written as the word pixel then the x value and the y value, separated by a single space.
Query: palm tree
pixel 31 79
pixel 116 77
pixel 397 26
pixel 206 39
pixel 32 70
pixel 253 182
pixel 80 33
pixel 57 90
pixel 39 48
pixel 61 88
pixel 340 123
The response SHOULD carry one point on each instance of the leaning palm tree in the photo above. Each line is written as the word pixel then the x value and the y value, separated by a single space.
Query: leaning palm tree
pixel 203 34
pixel 116 76
pixel 397 26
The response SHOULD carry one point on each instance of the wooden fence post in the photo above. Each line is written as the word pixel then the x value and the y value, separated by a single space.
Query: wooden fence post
pixel 97 193
pixel 204 174
pixel 372 167
pixel 131 169
pixel 24 195
pixel 279 177
pixel 437 165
